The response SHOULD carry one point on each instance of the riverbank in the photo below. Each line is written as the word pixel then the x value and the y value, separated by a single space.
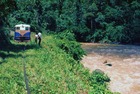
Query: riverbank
pixel 121 63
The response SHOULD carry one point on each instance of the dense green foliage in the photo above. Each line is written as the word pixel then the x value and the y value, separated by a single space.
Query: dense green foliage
pixel 68 44
pixel 98 82
pixel 90 20
pixel 50 70
pixel 6 6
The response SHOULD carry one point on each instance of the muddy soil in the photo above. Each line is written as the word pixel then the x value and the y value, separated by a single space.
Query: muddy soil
pixel 120 62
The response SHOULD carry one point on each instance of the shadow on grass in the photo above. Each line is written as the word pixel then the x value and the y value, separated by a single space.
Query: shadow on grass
pixel 18 47
pixel 13 50
pixel 4 55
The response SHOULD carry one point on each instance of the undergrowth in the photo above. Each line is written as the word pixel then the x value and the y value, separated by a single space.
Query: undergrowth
pixel 52 68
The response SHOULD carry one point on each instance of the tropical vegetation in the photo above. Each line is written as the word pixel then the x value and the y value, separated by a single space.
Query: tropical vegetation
pixel 90 20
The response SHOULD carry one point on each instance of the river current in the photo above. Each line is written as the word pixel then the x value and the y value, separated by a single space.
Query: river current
pixel 124 61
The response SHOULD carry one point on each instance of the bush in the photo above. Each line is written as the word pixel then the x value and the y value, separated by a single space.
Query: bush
pixel 72 48
pixel 99 77
pixel 67 34
pixel 98 80
pixel 66 41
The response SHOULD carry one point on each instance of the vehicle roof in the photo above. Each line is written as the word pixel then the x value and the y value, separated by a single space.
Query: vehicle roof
pixel 20 25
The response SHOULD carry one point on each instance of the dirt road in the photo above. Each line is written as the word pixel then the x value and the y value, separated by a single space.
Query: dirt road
pixel 121 65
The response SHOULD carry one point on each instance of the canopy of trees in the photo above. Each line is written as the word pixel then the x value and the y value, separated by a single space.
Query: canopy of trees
pixel 89 20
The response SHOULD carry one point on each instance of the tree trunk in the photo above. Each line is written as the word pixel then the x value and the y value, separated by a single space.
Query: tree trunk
pixel 78 15
pixel 91 24
pixel 60 6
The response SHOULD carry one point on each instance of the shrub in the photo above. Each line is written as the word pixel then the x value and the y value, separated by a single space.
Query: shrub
pixel 98 80
pixel 67 34
pixel 66 41
pixel 99 77
pixel 72 48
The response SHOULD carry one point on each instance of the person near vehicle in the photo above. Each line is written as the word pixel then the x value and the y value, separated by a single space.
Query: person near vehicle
pixel 36 38
pixel 39 38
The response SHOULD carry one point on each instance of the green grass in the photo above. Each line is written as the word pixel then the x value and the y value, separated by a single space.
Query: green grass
pixel 50 70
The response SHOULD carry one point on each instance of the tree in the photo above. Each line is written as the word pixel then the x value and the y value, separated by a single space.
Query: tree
pixel 6 6
pixel 91 20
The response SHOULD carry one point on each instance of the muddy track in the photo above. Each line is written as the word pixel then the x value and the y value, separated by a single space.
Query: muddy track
pixel 120 63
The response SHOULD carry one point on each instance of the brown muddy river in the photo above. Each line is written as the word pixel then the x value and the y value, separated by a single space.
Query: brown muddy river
pixel 120 62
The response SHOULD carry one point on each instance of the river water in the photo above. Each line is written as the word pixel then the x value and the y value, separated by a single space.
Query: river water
pixel 120 62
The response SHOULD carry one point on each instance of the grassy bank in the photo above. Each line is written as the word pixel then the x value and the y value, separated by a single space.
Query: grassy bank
pixel 53 68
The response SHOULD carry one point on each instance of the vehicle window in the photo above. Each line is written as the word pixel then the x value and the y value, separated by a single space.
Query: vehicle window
pixel 17 28
pixel 26 28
